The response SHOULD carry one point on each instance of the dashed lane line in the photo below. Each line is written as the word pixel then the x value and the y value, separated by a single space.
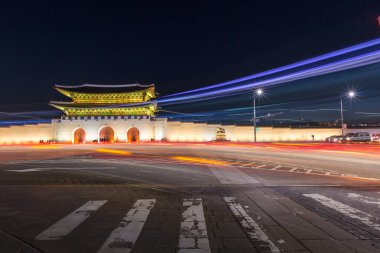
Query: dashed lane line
pixel 27 170
pixel 345 209
pixel 123 238
pixel 252 229
pixel 276 167
pixel 260 166
pixel 310 171
pixel 59 168
pixel 193 233
pixel 64 226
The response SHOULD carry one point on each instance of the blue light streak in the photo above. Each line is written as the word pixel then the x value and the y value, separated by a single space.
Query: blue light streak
pixel 338 65
pixel 327 56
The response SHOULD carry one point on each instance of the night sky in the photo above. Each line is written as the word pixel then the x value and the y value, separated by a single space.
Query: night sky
pixel 178 45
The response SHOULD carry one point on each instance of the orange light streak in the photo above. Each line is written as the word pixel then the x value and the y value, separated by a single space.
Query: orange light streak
pixel 45 147
pixel 113 151
pixel 198 160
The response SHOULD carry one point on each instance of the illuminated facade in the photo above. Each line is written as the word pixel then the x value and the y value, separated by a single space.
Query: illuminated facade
pixel 107 100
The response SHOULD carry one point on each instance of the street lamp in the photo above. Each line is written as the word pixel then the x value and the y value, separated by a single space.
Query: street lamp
pixel 350 95
pixel 256 93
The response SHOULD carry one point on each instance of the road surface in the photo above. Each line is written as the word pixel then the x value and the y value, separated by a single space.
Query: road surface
pixel 172 197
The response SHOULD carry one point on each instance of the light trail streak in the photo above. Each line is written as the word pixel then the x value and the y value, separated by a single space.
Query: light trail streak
pixel 348 50
pixel 198 160
pixel 46 146
pixel 113 151
pixel 353 62
pixel 23 122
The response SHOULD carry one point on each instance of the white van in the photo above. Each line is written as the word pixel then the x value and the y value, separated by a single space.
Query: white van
pixel 357 137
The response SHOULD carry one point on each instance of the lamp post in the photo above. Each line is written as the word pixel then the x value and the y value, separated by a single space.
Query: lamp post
pixel 350 95
pixel 256 93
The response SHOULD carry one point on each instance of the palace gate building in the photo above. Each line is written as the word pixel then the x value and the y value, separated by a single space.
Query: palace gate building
pixel 106 113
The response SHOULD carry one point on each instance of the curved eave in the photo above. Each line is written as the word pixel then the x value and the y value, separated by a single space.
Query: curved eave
pixel 62 108
pixel 64 92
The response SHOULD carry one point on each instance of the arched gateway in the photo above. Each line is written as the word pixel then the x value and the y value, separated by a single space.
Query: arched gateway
pixel 79 136
pixel 133 135
pixel 106 134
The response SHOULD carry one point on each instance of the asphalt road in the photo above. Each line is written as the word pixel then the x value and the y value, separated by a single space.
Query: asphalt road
pixel 168 197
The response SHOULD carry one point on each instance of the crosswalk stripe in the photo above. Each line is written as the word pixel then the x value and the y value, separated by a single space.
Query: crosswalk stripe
pixel 345 209
pixel 365 199
pixel 71 221
pixel 254 232
pixel 125 235
pixel 193 233
pixel 231 175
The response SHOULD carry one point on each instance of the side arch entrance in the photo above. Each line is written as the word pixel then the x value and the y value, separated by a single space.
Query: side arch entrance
pixel 79 136
pixel 133 135
pixel 106 134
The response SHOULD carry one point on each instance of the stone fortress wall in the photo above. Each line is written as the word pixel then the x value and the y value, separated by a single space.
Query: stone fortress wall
pixel 62 130
pixel 27 134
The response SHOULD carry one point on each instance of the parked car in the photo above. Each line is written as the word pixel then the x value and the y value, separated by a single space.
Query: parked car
pixel 375 137
pixel 357 137
pixel 334 138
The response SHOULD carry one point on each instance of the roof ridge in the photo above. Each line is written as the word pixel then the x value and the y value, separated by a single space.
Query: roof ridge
pixel 104 85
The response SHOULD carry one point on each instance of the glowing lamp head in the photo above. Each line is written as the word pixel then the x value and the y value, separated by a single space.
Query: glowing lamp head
pixel 259 92
pixel 351 94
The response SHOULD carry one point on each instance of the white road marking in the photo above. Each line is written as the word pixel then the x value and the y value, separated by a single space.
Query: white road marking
pixel 123 238
pixel 64 226
pixel 61 168
pixel 248 164
pixel 345 209
pixel 193 233
pixel 27 170
pixel 365 199
pixel 275 168
pixel 252 229
pixel 231 175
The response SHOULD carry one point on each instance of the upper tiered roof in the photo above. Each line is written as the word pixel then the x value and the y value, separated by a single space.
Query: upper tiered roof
pixel 108 94
pixel 104 88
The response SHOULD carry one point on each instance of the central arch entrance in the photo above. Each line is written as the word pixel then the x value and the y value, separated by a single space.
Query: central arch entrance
pixel 79 136
pixel 106 134
pixel 133 135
